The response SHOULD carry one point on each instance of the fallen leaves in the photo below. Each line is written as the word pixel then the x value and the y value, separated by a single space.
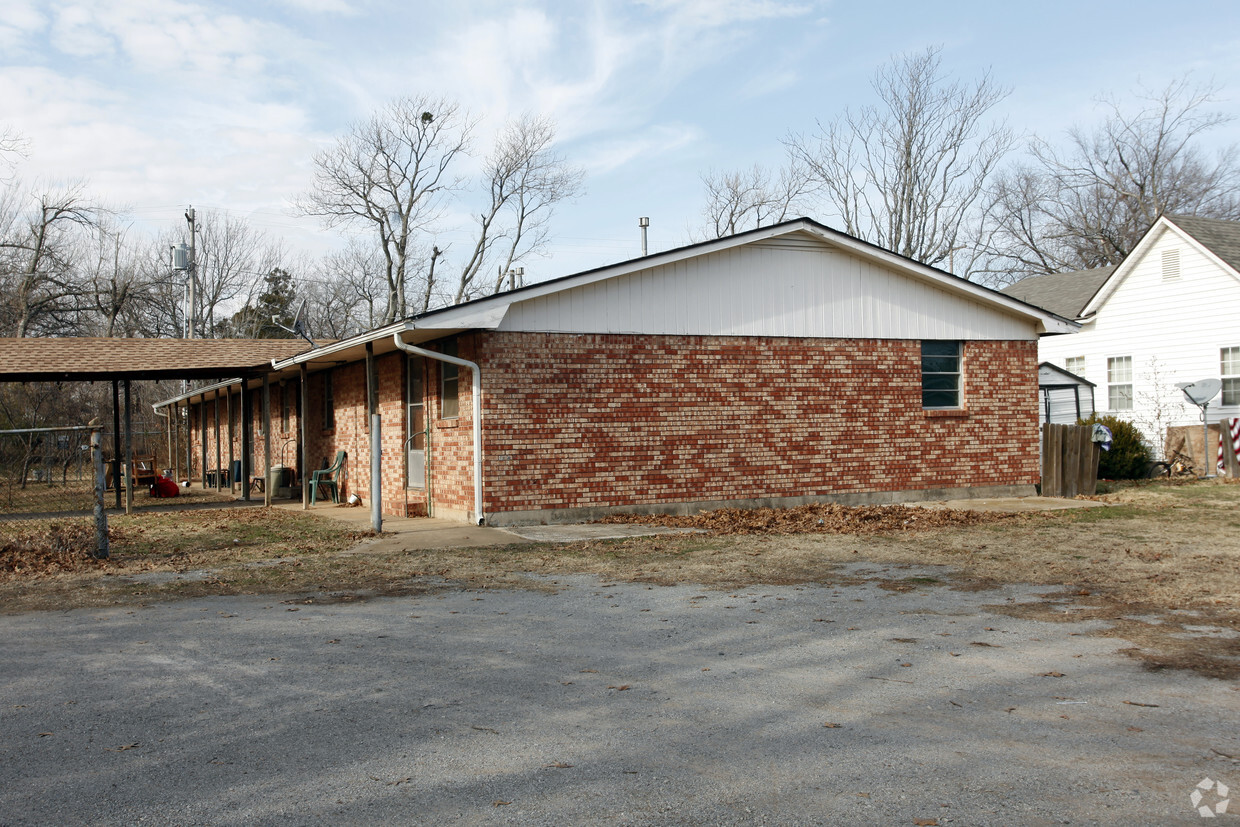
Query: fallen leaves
pixel 825 518
pixel 54 549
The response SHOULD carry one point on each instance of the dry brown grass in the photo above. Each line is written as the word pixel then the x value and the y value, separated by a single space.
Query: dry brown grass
pixel 1161 558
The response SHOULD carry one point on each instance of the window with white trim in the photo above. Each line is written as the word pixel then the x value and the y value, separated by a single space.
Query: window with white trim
pixel 1075 365
pixel 940 374
pixel 1230 369
pixel 1119 383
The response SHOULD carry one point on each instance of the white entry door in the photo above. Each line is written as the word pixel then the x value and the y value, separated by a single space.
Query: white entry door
pixel 416 474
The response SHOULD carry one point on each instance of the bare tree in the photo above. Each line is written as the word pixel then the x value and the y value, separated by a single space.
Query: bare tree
pixel 231 258
pixel 741 199
pixel 1088 204
pixel 525 178
pixel 346 292
pixel 13 145
pixel 390 174
pixel 113 281
pixel 907 173
pixel 40 243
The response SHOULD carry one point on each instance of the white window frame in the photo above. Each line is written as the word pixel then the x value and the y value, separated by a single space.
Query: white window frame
pixel 1119 377
pixel 1229 371
pixel 1077 369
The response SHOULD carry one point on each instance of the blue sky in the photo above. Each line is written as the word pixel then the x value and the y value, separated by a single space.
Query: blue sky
pixel 159 104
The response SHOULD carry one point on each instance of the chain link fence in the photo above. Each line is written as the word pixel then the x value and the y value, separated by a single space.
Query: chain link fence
pixel 52 487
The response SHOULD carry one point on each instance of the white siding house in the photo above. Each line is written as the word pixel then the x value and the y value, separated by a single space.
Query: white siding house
pixel 1168 314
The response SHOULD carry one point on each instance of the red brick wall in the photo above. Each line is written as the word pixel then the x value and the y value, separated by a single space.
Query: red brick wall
pixel 587 421
pixel 604 421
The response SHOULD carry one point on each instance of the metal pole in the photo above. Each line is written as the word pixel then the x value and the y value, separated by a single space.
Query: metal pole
pixel 266 443
pixel 376 476
pixel 219 472
pixel 101 515
pixel 231 436
pixel 305 449
pixel 372 410
pixel 247 443
pixel 171 450
pixel 193 276
pixel 116 441
pixel 1208 461
pixel 128 453
pixel 202 430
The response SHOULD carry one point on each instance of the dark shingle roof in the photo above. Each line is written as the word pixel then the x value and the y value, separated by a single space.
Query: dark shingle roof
pixel 1221 237
pixel 87 359
pixel 1064 294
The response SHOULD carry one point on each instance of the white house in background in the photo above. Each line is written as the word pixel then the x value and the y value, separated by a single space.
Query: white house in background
pixel 1169 313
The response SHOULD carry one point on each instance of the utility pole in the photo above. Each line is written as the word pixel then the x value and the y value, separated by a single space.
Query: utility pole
pixel 193 273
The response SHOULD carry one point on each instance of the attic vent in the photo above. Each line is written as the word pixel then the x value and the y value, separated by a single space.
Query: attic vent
pixel 1171 264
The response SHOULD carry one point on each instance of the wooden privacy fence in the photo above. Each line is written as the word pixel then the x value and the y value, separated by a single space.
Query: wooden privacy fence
pixel 1069 460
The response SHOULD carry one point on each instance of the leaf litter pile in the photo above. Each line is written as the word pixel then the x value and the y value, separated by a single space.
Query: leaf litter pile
pixel 825 518
pixel 53 549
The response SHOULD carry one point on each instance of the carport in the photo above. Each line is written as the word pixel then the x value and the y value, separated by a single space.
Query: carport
pixel 123 361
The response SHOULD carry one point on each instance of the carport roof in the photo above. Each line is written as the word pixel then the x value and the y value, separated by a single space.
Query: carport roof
pixel 100 359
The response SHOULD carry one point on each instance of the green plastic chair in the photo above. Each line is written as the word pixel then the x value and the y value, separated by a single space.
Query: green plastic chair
pixel 327 477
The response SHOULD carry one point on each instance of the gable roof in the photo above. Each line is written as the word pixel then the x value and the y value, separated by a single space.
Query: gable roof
pixel 1216 239
pixel 96 359
pixel 1218 236
pixel 490 311
pixel 1064 294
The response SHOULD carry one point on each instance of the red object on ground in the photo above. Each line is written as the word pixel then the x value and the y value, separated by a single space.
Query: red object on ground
pixel 164 487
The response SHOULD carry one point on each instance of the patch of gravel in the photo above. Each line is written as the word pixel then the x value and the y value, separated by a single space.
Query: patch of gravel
pixel 894 701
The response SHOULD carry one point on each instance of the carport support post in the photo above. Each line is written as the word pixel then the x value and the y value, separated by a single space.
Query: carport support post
pixel 174 453
pixel 232 436
pixel 202 433
pixel 266 443
pixel 101 482
pixel 116 440
pixel 219 472
pixel 305 448
pixel 247 439
pixel 128 453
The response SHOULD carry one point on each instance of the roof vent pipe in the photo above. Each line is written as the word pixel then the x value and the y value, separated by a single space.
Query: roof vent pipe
pixel 644 223
pixel 477 410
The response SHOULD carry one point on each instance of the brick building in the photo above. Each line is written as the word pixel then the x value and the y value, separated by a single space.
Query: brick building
pixel 783 365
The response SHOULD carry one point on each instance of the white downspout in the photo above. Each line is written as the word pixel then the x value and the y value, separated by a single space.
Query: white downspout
pixel 477 407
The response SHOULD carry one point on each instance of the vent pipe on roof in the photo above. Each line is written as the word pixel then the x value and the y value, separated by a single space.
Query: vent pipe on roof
pixel 644 223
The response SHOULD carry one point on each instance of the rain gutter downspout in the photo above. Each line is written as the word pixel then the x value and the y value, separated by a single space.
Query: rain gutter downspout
pixel 477 409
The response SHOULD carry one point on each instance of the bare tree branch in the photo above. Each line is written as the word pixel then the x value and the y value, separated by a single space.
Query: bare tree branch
pixel 907 173
pixel 1088 204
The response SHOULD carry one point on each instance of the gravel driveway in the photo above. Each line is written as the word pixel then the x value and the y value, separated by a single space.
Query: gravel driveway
pixel 600 704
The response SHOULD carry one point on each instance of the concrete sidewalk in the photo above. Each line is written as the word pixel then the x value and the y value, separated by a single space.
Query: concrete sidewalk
pixel 430 532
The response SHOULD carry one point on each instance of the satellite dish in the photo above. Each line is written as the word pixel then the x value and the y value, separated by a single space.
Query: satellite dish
pixel 1201 392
